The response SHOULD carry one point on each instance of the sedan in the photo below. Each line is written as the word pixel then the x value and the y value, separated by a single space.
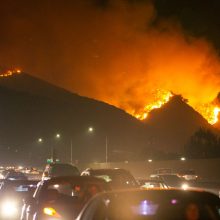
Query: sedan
pixel 61 197
pixel 152 204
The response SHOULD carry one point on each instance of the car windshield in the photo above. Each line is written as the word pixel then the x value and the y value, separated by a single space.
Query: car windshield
pixel 79 190
pixel 171 180
pixel 64 170
pixel 17 187
pixel 15 175
pixel 116 177
pixel 153 185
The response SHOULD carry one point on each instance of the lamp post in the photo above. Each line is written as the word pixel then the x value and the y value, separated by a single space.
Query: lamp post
pixel 71 151
pixel 91 130
pixel 106 149
pixel 52 150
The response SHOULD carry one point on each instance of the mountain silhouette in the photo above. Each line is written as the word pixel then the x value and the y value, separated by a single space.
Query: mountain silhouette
pixel 32 108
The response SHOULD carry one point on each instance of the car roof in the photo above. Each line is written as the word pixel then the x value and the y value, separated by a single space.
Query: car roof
pixel 82 179
pixel 152 180
pixel 106 169
pixel 165 174
pixel 194 195
pixel 14 171
pixel 60 164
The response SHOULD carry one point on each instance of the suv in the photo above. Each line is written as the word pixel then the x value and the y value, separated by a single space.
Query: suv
pixel 116 178
pixel 188 174
pixel 59 169
pixel 171 180
pixel 61 197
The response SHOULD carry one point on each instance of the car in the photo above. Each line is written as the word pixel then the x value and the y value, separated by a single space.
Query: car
pixel 116 178
pixel 171 180
pixel 61 197
pixel 164 171
pixel 12 193
pixel 140 204
pixel 59 169
pixel 149 184
pixel 188 175
pixel 15 175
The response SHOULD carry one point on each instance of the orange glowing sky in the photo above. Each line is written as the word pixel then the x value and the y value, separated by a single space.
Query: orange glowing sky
pixel 121 54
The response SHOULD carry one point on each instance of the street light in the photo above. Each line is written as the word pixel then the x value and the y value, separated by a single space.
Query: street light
pixel 40 140
pixel 58 136
pixel 182 158
pixel 90 129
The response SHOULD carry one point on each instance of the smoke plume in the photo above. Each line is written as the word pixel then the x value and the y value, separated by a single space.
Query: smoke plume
pixel 117 51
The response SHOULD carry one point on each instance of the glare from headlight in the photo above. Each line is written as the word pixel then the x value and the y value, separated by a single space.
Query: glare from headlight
pixel 184 186
pixel 9 208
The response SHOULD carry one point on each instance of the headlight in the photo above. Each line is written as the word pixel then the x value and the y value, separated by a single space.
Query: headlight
pixel 9 208
pixel 51 212
pixel 185 186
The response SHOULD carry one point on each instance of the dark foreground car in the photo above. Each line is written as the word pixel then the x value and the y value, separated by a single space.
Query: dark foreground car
pixel 61 197
pixel 153 205
pixel 12 193
pixel 116 178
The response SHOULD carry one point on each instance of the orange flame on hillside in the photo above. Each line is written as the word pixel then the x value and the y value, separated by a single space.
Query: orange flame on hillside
pixel 160 98
pixel 209 111
pixel 10 72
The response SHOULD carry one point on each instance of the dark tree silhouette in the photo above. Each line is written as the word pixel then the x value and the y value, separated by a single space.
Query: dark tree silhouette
pixel 203 144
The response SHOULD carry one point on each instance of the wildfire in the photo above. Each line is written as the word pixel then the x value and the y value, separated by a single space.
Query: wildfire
pixel 10 72
pixel 160 97
pixel 210 112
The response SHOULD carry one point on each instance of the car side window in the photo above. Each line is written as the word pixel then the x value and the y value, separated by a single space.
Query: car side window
pixel 63 189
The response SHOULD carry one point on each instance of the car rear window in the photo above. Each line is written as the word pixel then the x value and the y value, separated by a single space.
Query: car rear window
pixel 18 188
pixel 132 207
pixel 64 170
pixel 116 177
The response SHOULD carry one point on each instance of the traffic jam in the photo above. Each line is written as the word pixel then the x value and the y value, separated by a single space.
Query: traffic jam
pixel 62 192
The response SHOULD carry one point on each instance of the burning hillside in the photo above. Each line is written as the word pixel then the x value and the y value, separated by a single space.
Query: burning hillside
pixel 122 53
pixel 10 72
pixel 209 111
pixel 160 97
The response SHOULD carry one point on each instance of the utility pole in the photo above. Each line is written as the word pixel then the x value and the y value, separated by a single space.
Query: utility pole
pixel 71 151
pixel 106 149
